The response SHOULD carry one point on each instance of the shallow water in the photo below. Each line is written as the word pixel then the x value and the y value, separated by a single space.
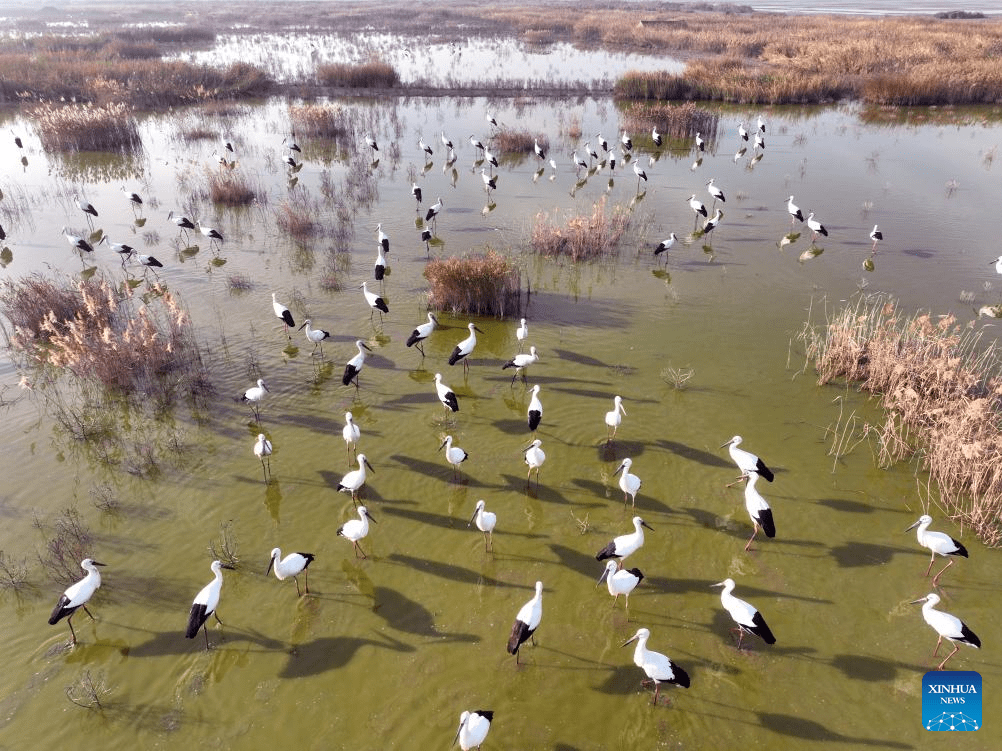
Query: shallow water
pixel 388 651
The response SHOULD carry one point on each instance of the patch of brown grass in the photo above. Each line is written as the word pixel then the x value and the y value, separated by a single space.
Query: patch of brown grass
pixel 105 335
pixel 512 141
pixel 230 187
pixel 580 236
pixel 680 121
pixel 85 127
pixel 374 74
pixel 476 284
pixel 941 390
pixel 296 215
pixel 319 120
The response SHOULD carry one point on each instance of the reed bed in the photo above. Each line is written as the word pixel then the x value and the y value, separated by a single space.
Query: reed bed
pixel 512 141
pixel 85 127
pixel 941 390
pixel 320 120
pixel 297 215
pixel 681 121
pixel 82 77
pixel 230 187
pixel 581 236
pixel 105 335
pixel 374 74
pixel 476 284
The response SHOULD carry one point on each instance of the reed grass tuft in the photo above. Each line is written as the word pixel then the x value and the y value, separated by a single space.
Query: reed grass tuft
pixel 374 74
pixel 476 284
pixel 86 127
pixel 580 236
pixel 940 387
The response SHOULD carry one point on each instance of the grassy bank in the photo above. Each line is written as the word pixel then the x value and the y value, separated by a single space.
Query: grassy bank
pixel 941 391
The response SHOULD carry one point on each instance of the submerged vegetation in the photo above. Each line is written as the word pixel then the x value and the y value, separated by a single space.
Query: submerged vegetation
pixel 941 390
pixel 478 284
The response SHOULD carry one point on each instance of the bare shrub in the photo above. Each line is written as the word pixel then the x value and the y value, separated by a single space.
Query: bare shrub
pixel 478 284
pixel 941 390
pixel 87 690
pixel 67 542
pixel 224 547
pixel 86 127
pixel 368 75
pixel 230 187
pixel 296 215
pixel 580 236
pixel 13 571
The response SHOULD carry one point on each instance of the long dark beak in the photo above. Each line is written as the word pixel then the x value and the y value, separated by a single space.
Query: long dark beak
pixel 227 566
pixel 443 445
pixel 98 563
pixel 369 466
pixel 601 579
pixel 470 522
pixel 265 387
pixel 618 470
pixel 477 328
pixel 645 524
pixel 370 517
pixel 301 327
pixel 913 526
pixel 366 346
pixel 628 641
pixel 916 602
pixel 725 444
pixel 270 564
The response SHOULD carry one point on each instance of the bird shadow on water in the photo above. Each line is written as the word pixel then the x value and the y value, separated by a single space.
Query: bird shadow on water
pixel 404 614
pixel 333 652
pixel 696 455
pixel 800 727
pixel 856 554
pixel 450 571
pixel 428 469
pixel 865 668
pixel 220 637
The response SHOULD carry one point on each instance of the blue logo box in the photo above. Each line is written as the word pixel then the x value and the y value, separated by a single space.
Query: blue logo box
pixel 951 700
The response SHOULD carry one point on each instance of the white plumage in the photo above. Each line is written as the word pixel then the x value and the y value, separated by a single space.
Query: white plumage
pixel 534 458
pixel 283 314
pixel 628 483
pixel 794 211
pixel 351 434
pixel 421 332
pixel 445 394
pixel 947 626
pixel 620 582
pixel 938 543
pixel 485 520
pixel 747 618
pixel 473 727
pixel 625 545
pixel 77 595
pixel 465 348
pixel 254 395
pixel 758 509
pixel 535 411
pixel 614 418
pixel 354 480
pixel 522 333
pixel 292 565
pixel 658 667
pixel 453 454
pixel 526 622
pixel 520 362
pixel 316 336
pixel 746 461
pixel 205 603
pixel 354 366
pixel 354 530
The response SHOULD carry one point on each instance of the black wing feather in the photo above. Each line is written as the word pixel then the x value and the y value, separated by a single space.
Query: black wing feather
pixel 768 525
pixel 520 632
pixel 198 616
pixel 60 611
pixel 763 470
pixel 760 628
pixel 969 636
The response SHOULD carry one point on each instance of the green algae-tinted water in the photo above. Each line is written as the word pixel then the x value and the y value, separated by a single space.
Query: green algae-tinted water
pixel 387 652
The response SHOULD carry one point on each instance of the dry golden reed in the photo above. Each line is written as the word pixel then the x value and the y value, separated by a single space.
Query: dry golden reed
pixel 510 141
pixel 580 236
pixel 941 390
pixel 681 121
pixel 86 127
pixel 476 284
pixel 319 120
pixel 375 74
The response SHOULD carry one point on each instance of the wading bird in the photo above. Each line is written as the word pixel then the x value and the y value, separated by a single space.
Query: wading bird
pixel 742 133
pixel 522 333
pixel 947 626
pixel 876 235
pixel 77 596
pixel 628 483
pixel 316 336
pixel 700 145
pixel 424 147
pixel 476 143
pixel 122 249
pixel 815 226
pixel 526 622
pixel 625 140
pixel 485 523
pixel 696 205
pixel 354 530
pixel 625 545
pixel 290 143
pixel 490 183
pixel 535 412
pixel 87 208
pixel 446 141
pixel 453 454
pixel 77 242
pixel 794 211
pixel 445 394
pixel 520 362
pixel 620 582
pixel 371 143
pixel 717 193
pixel 432 213
pixel 135 200
pixel 354 366
pixel 759 142
pixel 374 301
pixel 282 313
pixel 658 667
pixel 353 481
pixel 711 224
pixel 292 565
pixel 540 152
pixel 382 238
pixel 534 458
pixel 379 267
pixel 758 509
pixel 416 192
pixel 665 245
pixel 761 124
pixel 214 235
pixel 939 543
pixel 263 450
pixel 473 728
pixel 614 418
pixel 746 461
pixel 183 223
pixel 254 395
pixel 640 173
pixel 421 332
pixel 205 604
pixel 747 618
pixel 351 434
pixel 656 137
pixel 465 348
